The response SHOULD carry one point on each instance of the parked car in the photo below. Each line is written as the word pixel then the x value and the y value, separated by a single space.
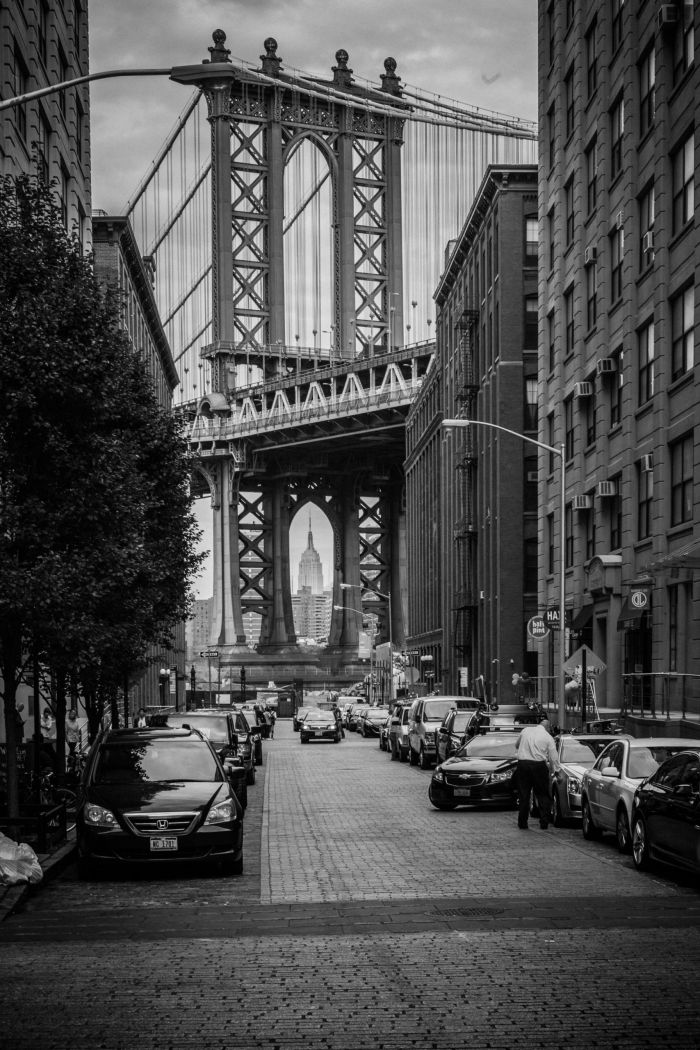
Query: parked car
pixel 665 824
pixel 354 715
pixel 246 732
pixel 224 731
pixel 299 716
pixel 454 731
pixel 577 753
pixel 508 718
pixel 319 725
pixel 371 720
pixel 426 715
pixel 157 796
pixel 607 789
pixel 258 719
pixel 482 771
pixel 398 731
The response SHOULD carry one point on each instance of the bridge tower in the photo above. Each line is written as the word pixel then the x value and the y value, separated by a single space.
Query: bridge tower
pixel 258 119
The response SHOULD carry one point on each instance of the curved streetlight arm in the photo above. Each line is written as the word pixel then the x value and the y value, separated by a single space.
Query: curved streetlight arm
pixel 107 74
pixel 557 451
pixel 380 594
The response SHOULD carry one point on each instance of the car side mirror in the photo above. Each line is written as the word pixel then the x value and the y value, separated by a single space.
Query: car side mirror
pixel 683 791
pixel 395 722
pixel 612 772
pixel 230 766
pixel 234 739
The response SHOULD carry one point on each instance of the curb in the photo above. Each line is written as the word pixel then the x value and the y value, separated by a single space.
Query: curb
pixel 51 865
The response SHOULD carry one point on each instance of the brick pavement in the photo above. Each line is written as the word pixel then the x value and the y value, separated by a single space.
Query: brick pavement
pixel 364 919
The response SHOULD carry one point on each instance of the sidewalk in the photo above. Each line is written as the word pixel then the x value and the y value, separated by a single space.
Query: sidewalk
pixel 11 897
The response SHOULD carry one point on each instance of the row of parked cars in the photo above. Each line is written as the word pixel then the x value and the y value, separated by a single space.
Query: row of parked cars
pixel 175 790
pixel 645 791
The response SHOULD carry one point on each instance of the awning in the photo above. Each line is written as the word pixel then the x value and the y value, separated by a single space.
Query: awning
pixel 583 618
pixel 630 618
pixel 685 557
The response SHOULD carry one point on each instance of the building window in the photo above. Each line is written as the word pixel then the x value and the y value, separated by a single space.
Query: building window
pixel 530 342
pixel 645 502
pixel 646 224
pixel 592 59
pixel 569 206
pixel 617 129
pixel 43 32
pixel 20 87
pixel 531 240
pixel 550 544
pixel 569 428
pixel 591 295
pixel 647 90
pixel 646 363
pixel 570 9
pixel 682 332
pixel 569 97
pixel 79 131
pixel 551 135
pixel 683 188
pixel 495 250
pixel 616 384
pixel 590 418
pixel 550 236
pixel 551 345
pixel 530 485
pixel 589 519
pixel 684 46
pixel 592 176
pixel 550 36
pixel 550 442
pixel 682 480
pixel 62 76
pixel 63 190
pixel 617 16
pixel 616 521
pixel 617 252
pixel 569 549
pixel 43 148
pixel 531 403
pixel 569 320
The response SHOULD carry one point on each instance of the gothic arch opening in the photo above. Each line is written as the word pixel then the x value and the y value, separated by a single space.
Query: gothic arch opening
pixel 311 560
pixel 309 256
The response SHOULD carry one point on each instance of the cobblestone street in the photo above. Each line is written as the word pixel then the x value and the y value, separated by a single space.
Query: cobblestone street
pixel 364 918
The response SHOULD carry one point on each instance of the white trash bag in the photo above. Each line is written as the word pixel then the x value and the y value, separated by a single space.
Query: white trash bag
pixel 18 863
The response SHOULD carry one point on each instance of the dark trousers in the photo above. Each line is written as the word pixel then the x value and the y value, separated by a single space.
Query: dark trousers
pixel 533 777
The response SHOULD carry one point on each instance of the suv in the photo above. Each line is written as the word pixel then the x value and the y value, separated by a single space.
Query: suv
pixel 157 796
pixel 398 732
pixel 228 734
pixel 424 720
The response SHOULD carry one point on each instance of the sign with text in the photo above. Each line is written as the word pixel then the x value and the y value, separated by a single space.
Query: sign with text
pixel 537 627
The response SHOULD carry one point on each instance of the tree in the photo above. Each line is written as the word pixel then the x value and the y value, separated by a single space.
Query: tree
pixel 97 536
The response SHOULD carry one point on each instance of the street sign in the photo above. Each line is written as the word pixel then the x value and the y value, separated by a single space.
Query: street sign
pixel 209 654
pixel 537 628
pixel 594 664
pixel 639 599
pixel 551 617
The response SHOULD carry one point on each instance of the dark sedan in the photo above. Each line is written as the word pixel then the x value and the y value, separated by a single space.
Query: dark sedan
pixel 157 796
pixel 371 721
pixel 456 728
pixel 319 725
pixel 482 771
pixel 666 814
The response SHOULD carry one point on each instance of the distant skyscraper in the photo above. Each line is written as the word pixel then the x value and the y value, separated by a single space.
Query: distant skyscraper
pixel 310 568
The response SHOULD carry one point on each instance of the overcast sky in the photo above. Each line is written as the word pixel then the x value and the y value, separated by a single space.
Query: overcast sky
pixel 480 52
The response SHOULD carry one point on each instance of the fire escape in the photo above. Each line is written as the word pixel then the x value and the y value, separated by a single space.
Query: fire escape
pixel 464 529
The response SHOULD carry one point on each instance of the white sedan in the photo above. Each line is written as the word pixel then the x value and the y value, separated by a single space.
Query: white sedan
pixel 607 789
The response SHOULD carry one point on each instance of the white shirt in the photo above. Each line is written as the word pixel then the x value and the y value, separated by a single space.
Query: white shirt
pixel 535 744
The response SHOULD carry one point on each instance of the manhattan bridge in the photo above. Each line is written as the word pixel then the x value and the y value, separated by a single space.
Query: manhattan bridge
pixel 297 227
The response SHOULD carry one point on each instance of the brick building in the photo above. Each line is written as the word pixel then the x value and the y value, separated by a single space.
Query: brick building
pixel 618 108
pixel 471 494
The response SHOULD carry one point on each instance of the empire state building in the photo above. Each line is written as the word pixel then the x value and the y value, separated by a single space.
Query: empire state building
pixel 310 568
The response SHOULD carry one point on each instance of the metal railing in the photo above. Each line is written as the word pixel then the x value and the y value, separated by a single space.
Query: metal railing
pixel 661 694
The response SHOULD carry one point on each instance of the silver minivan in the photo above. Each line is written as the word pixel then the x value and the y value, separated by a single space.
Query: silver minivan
pixel 424 720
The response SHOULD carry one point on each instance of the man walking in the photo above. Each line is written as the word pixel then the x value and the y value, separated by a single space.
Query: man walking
pixel 537 756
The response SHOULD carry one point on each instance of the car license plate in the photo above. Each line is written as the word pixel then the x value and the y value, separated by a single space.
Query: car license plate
pixel 463 792
pixel 159 843
pixel 318 732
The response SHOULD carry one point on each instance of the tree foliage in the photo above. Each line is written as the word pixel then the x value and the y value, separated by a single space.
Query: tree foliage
pixel 97 536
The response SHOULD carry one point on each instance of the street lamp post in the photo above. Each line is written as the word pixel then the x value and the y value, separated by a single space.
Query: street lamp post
pixel 556 451
pixel 357 586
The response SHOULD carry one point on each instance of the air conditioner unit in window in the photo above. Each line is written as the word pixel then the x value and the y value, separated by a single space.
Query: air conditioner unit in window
pixel 668 16
pixel 646 463
pixel 590 255
pixel 648 241
pixel 532 477
pixel 583 389
pixel 606 488
pixel 605 366
pixel 581 503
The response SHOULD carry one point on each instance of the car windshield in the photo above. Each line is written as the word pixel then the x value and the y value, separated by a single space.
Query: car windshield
pixel 497 746
pixel 212 727
pixel 644 761
pixel 461 721
pixel 582 752
pixel 156 761
pixel 318 716
pixel 378 713
pixel 436 710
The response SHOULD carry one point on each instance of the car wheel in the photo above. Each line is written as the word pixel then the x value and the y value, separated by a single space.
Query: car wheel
pixel 622 830
pixel 232 866
pixel 640 845
pixel 557 818
pixel 441 805
pixel 588 828
pixel 336 738
pixel 250 775
pixel 423 760
pixel 304 740
pixel 412 757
